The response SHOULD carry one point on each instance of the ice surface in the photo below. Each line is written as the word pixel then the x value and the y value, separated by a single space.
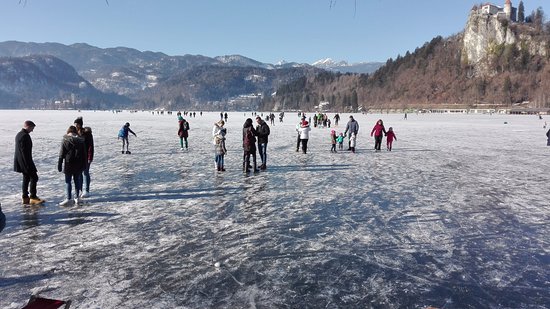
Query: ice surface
pixel 456 216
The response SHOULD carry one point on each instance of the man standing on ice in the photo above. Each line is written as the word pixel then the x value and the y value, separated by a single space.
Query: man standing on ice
pixel 262 131
pixel 23 163
pixel 351 128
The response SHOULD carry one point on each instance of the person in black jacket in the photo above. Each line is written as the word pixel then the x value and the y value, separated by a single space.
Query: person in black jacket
pixel 249 146
pixel 23 163
pixel 73 153
pixel 86 133
pixel 262 131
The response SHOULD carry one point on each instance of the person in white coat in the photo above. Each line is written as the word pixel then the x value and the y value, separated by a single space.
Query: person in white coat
pixel 303 131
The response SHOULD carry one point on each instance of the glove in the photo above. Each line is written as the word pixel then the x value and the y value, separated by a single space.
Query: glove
pixel 59 168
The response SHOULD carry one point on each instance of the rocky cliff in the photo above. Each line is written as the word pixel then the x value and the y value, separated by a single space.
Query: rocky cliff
pixel 485 35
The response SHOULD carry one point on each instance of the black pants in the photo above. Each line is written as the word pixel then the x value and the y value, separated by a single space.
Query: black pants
pixel 29 179
pixel 298 143
pixel 304 145
pixel 246 159
pixel 378 141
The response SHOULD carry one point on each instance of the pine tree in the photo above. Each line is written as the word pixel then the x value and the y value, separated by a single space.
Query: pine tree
pixel 521 12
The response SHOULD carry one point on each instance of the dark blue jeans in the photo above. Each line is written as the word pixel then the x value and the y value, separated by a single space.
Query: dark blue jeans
pixel 262 149
pixel 86 178
pixel 77 184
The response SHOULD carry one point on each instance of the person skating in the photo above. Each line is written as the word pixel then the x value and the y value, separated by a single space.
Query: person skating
pixel 336 119
pixel 86 133
pixel 333 140
pixel 548 136
pixel 249 146
pixel 304 135
pixel 24 164
pixel 74 156
pixel 123 133
pixel 390 136
pixel 378 131
pixel 183 131
pixel 262 131
pixel 351 127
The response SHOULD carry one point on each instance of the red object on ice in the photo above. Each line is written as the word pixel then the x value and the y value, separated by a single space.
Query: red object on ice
pixel 37 302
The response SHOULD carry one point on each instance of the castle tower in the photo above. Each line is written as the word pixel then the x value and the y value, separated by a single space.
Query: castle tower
pixel 508 9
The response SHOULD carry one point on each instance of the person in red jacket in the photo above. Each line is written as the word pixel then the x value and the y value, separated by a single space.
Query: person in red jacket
pixel 390 136
pixel 377 132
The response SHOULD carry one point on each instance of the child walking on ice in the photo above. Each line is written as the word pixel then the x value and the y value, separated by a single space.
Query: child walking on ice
pixel 123 133
pixel 333 140
pixel 340 140
pixel 390 136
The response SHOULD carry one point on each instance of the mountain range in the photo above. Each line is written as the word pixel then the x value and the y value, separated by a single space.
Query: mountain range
pixel 125 76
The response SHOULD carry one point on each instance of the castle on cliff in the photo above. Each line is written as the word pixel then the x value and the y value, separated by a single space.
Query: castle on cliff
pixel 508 11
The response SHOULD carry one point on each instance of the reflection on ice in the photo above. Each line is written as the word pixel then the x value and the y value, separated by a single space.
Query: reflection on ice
pixel 455 216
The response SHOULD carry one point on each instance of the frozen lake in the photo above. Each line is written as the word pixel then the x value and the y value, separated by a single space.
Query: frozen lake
pixel 457 216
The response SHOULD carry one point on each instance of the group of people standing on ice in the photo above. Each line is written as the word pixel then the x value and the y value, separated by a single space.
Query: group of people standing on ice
pixel 251 135
pixel 75 157
pixel 351 131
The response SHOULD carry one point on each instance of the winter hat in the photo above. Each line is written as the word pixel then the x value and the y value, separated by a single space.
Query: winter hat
pixel 79 121
pixel 127 124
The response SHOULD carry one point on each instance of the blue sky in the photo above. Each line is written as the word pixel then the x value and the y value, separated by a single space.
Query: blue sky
pixel 266 30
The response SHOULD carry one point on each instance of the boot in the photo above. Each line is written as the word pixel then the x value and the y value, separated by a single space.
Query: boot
pixel 26 201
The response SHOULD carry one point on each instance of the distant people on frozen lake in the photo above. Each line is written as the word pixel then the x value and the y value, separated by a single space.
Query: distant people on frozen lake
pixel 123 134
pixel 225 116
pixel 351 127
pixel 377 131
pixel 73 155
pixel 303 131
pixel 183 131
pixel 336 119
pixel 390 136
pixel 219 133
pixel 86 134
pixel 262 131
pixel 249 146
pixel 23 163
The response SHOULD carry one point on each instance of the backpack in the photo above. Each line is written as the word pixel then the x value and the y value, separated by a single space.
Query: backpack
pixel 121 132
